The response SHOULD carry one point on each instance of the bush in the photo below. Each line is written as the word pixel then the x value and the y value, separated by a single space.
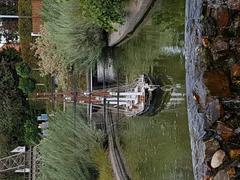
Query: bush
pixel 31 133
pixel 103 13
pixel 23 70
pixel 26 85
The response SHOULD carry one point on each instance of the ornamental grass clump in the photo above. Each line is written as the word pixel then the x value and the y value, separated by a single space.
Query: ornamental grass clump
pixel 77 40
pixel 66 152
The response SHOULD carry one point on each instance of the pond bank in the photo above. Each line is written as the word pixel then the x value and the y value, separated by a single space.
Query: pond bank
pixel 135 14
pixel 212 80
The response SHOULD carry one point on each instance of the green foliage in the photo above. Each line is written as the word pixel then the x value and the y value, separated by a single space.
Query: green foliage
pixel 66 152
pixel 23 70
pixel 103 13
pixel 11 101
pixel 26 85
pixel 31 133
pixel 10 55
pixel 168 18
pixel 12 106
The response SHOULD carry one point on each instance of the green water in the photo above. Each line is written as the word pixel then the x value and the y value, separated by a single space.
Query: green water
pixel 158 147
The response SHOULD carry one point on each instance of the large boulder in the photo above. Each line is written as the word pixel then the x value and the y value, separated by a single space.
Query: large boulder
pixel 217 83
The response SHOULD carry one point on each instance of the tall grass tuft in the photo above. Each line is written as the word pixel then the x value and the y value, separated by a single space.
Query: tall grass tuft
pixel 77 40
pixel 66 152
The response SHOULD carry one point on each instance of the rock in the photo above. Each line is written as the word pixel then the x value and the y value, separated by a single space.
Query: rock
pixel 217 83
pixel 231 172
pixel 211 146
pixel 234 153
pixel 207 178
pixel 209 27
pixel 222 17
pixel 235 74
pixel 220 48
pixel 235 46
pixel 205 41
pixel 214 110
pixel 221 175
pixel 217 158
pixel 237 131
pixel 236 22
pixel 234 4
pixel 224 131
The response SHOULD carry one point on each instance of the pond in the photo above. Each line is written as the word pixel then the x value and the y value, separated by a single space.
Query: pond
pixel 157 145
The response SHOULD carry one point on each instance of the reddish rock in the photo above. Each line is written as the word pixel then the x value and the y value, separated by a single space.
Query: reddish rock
pixel 235 73
pixel 234 4
pixel 224 131
pixel 221 14
pixel 217 83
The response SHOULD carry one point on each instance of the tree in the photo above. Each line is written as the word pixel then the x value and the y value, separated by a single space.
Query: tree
pixel 9 7
pixel 9 28
pixel 11 106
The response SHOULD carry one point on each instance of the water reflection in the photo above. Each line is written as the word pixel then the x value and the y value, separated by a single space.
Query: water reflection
pixel 157 147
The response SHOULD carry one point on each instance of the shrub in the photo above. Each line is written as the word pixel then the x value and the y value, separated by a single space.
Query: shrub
pixel 103 13
pixel 23 70
pixel 26 85
pixel 31 133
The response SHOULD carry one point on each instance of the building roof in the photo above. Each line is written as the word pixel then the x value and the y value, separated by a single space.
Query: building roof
pixel 15 46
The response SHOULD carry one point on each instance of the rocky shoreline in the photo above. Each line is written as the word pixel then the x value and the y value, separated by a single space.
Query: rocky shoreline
pixel 213 87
